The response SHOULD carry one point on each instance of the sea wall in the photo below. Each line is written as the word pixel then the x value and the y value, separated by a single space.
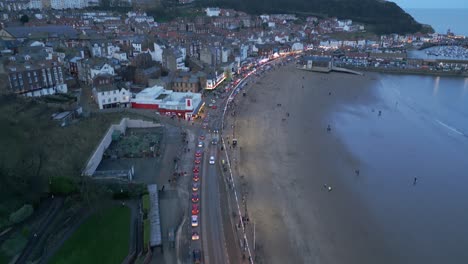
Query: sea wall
pixel 409 71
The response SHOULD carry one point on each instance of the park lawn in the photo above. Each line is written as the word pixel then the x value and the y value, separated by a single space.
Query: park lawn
pixel 103 238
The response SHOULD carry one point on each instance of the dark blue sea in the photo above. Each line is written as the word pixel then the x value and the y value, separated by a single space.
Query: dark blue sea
pixel 422 134
pixel 443 19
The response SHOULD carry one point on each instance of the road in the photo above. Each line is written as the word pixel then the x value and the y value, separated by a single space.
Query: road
pixel 214 245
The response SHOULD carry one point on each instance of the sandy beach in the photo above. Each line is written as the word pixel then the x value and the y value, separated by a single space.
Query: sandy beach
pixel 287 160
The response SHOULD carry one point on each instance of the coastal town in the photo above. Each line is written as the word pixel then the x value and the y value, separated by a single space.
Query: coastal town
pixel 162 97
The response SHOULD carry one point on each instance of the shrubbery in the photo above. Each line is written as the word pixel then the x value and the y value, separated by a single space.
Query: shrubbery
pixel 63 185
pixel 21 214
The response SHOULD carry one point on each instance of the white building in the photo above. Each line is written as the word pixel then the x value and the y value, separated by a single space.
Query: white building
pixel 35 4
pixel 68 4
pixel 225 53
pixel 212 11
pixel 121 56
pixel 182 105
pixel 156 55
pixel 297 46
pixel 244 52
pixel 111 97
pixel 213 80
pixel 136 47
pixel 101 70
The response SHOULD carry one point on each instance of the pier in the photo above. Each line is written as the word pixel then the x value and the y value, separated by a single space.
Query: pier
pixel 330 69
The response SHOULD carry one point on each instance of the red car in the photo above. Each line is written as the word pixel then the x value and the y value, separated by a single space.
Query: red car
pixel 195 209
pixel 196 177
pixel 214 107
pixel 196 169
pixel 195 197
pixel 198 154
pixel 201 137
pixel 197 160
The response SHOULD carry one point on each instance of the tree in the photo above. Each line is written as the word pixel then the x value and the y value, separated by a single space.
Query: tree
pixel 24 19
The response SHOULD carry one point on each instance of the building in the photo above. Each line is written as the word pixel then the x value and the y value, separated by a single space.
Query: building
pixel 188 82
pixel 36 78
pixel 212 11
pixel 35 4
pixel 14 5
pixel 110 96
pixel 318 63
pixel 211 55
pixel 88 69
pixel 182 105
pixel 68 4
pixel 214 79
pixel 174 59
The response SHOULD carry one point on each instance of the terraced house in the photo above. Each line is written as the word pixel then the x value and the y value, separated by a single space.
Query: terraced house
pixel 36 78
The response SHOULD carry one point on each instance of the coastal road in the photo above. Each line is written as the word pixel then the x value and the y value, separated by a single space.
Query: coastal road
pixel 214 245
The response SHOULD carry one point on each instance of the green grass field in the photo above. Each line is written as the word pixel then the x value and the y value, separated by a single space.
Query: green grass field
pixel 103 238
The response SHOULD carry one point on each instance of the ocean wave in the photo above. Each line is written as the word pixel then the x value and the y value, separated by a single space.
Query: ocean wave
pixel 451 128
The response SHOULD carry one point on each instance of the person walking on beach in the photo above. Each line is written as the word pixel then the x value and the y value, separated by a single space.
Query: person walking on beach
pixel 415 180
pixel 328 128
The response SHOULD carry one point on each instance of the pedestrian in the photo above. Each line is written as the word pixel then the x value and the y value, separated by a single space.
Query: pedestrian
pixel 328 128
pixel 163 188
pixel 415 180
pixel 329 93
pixel 380 112
pixel 357 172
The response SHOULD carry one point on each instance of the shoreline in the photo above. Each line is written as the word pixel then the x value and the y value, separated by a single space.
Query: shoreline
pixel 407 72
pixel 285 164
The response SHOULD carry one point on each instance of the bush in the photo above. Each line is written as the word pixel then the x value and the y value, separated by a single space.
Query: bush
pixel 3 223
pixel 14 244
pixel 62 185
pixel 21 214
pixel 121 195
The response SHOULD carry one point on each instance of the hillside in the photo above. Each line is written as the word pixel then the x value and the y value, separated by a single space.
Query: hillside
pixel 382 17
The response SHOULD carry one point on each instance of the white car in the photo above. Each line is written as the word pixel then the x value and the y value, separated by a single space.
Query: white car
pixel 194 220
pixel 212 160
pixel 200 144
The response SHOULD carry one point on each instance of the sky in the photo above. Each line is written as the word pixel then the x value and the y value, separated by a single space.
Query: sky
pixel 432 3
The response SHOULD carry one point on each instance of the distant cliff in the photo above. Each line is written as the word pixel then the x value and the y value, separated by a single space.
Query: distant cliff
pixel 382 17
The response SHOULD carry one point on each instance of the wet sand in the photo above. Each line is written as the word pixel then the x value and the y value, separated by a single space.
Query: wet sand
pixel 287 162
